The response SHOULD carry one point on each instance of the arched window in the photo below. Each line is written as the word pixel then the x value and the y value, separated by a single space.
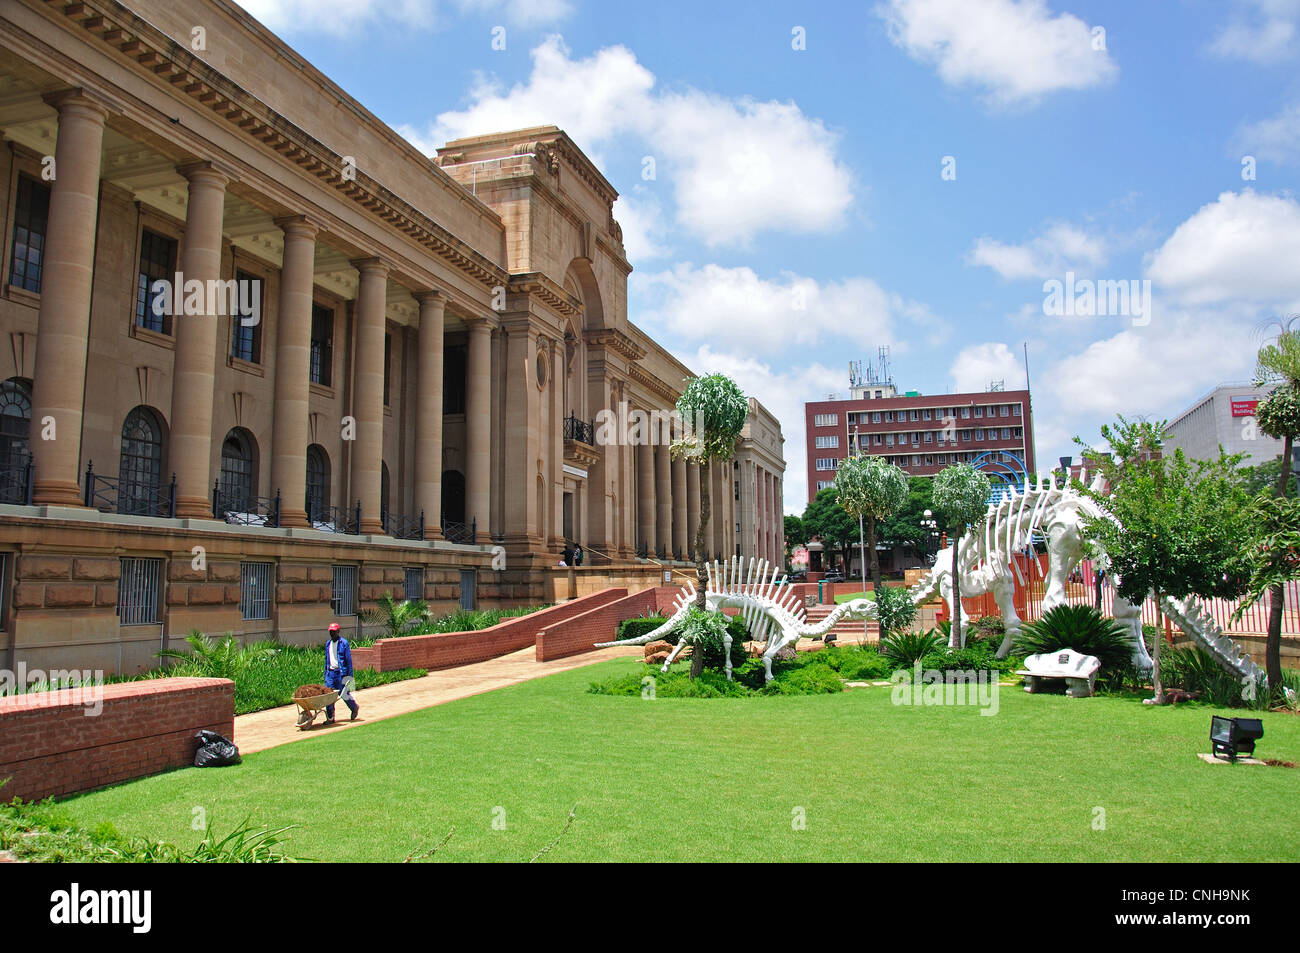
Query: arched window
pixel 318 484
pixel 238 483
pixel 139 471
pixel 15 425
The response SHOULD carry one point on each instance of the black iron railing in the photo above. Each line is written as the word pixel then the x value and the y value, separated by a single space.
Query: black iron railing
pixel 584 431
pixel 454 532
pixel 254 511
pixel 661 552
pixel 109 495
pixel 334 519
pixel 16 477
pixel 400 526
pixel 643 551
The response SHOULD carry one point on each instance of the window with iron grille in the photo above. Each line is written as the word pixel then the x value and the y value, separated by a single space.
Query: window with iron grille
pixel 322 344
pixel 343 596
pixel 157 263
pixel 138 590
pixel 255 590
pixel 31 213
pixel 413 584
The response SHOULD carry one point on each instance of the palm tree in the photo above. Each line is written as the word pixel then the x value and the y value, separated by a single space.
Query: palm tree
pixel 868 487
pixel 961 494
pixel 396 617
pixel 226 658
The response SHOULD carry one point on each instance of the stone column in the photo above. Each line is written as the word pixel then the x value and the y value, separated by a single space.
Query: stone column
pixel 717 508
pixel 368 392
pixel 645 496
pixel 63 324
pixel 478 425
pixel 557 452
pixel 428 412
pixel 663 491
pixel 680 532
pixel 692 506
pixel 190 441
pixel 293 370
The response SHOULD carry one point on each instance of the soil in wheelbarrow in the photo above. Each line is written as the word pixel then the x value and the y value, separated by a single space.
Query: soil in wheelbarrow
pixel 311 691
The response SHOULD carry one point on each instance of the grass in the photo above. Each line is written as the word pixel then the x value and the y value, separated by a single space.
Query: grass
pixel 850 596
pixel 726 779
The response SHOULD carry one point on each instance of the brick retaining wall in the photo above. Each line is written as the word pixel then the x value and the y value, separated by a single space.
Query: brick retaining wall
pixel 448 649
pixel 50 746
pixel 580 633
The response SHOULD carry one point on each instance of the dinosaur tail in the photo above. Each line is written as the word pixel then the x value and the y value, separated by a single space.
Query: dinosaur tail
pixel 684 600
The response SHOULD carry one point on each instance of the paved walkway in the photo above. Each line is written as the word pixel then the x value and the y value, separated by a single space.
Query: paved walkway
pixel 277 726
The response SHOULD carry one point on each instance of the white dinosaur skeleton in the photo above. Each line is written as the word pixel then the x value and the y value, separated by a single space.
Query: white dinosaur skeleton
pixel 772 612
pixel 986 561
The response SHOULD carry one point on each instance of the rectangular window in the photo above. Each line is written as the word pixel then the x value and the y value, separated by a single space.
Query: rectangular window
pixel 255 590
pixel 929 461
pixel 343 594
pixel 925 415
pixel 388 362
pixel 1004 410
pixel 322 344
pixel 880 439
pixel 965 436
pixel 829 442
pixel 1017 432
pixel 827 463
pixel 916 439
pixel 138 589
pixel 157 263
pixel 889 440
pixel 929 436
pixel 916 461
pixel 1015 410
pixel 979 434
pixel 979 411
pixel 824 484
pixel 912 415
pixel 413 584
pixel 453 379
pixel 826 420
pixel 875 417
pixel 246 339
pixel 1006 433
pixel 889 416
pixel 965 412
pixel 31 215
pixel 943 459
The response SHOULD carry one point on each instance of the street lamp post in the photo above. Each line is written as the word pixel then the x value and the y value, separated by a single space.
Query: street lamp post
pixel 931 529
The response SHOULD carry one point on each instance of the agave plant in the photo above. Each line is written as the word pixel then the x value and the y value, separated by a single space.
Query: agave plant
pixel 1081 628
pixel 905 648
pixel 224 658
pixel 396 617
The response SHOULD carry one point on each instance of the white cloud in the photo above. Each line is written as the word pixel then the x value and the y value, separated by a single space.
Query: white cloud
pixel 525 13
pixel 735 307
pixel 644 231
pixel 1241 248
pixel 1061 247
pixel 1264 31
pixel 341 19
pixel 728 162
pixel 1016 50
pixel 977 366
pixel 1276 139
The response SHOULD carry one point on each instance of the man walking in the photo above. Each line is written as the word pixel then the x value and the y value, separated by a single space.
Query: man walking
pixel 338 672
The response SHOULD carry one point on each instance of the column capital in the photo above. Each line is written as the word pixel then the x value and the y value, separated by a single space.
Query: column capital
pixel 205 171
pixel 298 225
pixel 371 266
pixel 479 322
pixel 431 296
pixel 84 98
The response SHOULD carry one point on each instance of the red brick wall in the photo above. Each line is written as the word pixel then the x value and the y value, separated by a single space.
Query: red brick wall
pixel 50 746
pixel 448 649
pixel 581 632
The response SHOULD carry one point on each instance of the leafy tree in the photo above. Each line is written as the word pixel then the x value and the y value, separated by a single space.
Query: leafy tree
pixel 869 488
pixel 903 528
pixel 961 496
pixel 825 519
pixel 895 610
pixel 796 534
pixel 714 410
pixel 1279 417
pixel 1265 478
pixel 1177 526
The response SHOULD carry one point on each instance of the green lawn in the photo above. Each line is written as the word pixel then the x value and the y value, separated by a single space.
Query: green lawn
pixel 850 596
pixel 681 779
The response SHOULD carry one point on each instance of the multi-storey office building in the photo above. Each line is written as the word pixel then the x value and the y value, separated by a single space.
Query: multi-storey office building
pixel 387 379
pixel 921 434
pixel 1225 417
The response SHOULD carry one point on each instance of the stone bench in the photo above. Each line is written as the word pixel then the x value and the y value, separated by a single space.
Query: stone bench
pixel 1079 672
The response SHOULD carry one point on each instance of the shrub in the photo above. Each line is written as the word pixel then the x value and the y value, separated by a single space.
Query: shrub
pixel 1083 629
pixel 988 628
pixel 210 658
pixel 904 648
pixel 808 679
pixel 855 664
pixel 638 626
pixel 973 657
pixel 895 609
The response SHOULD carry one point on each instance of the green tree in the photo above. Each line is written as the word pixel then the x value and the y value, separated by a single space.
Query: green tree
pixel 903 528
pixel 825 519
pixel 961 496
pixel 1279 417
pixel 869 488
pixel 796 534
pixel 1177 526
pixel 1265 478
pixel 713 410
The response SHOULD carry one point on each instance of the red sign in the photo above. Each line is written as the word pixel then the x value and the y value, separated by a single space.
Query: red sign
pixel 1244 406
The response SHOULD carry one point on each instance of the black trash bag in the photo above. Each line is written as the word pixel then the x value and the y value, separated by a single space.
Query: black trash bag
pixel 214 750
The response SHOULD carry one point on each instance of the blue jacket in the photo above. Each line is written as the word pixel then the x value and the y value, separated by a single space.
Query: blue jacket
pixel 344 653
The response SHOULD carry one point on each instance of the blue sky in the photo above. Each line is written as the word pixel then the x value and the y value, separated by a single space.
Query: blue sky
pixel 798 217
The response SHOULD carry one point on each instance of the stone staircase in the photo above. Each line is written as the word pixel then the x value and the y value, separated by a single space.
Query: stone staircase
pixel 846 631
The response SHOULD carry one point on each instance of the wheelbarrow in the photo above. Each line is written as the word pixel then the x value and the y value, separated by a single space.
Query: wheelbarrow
pixel 309 708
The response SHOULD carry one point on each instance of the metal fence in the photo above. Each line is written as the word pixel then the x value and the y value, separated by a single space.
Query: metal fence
pixel 138 591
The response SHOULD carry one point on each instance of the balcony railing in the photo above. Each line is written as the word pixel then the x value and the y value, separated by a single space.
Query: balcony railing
pixel 583 431
pixel 110 495
pixel 334 519
pixel 254 511
pixel 400 526
pixel 454 532
pixel 16 477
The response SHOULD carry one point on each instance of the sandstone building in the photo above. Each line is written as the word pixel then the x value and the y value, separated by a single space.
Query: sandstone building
pixel 397 395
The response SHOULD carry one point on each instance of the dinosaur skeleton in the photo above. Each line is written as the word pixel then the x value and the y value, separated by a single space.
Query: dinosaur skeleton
pixel 772 612
pixel 987 563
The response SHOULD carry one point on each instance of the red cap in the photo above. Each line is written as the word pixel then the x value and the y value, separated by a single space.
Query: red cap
pixel 334 626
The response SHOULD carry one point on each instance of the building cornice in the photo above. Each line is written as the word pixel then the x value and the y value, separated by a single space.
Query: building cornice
pixel 616 341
